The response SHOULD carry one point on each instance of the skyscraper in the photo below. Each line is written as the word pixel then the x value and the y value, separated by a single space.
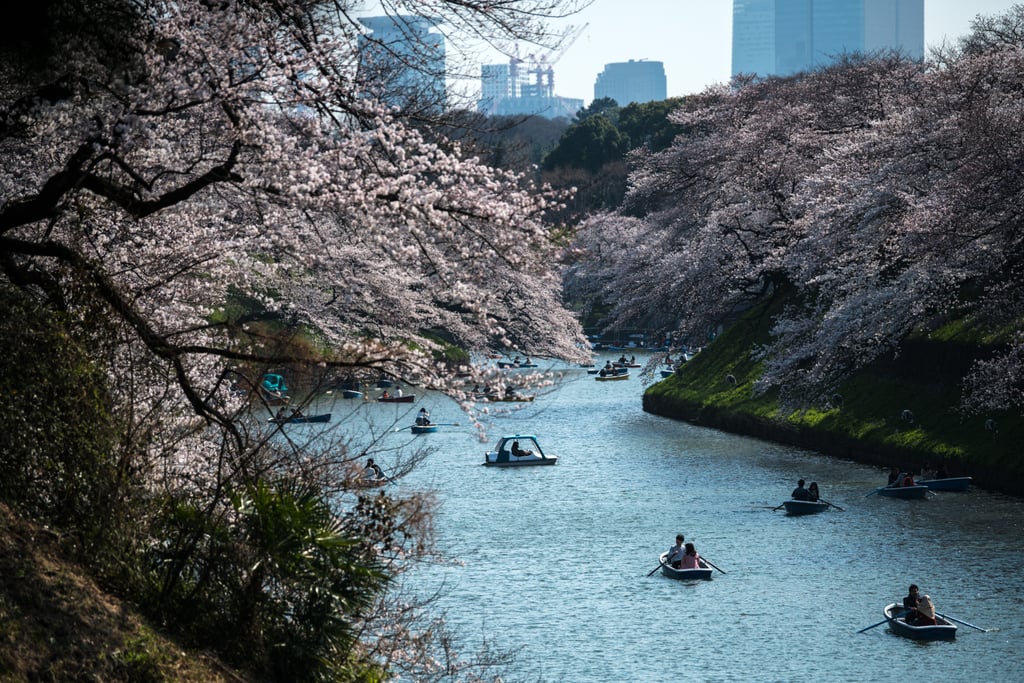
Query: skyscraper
pixel 402 62
pixel 632 81
pixel 784 37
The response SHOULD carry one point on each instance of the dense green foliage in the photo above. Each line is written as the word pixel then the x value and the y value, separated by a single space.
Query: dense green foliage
pixel 57 440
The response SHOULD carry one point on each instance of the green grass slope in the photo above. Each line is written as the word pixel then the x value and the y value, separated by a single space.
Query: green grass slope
pixel 869 426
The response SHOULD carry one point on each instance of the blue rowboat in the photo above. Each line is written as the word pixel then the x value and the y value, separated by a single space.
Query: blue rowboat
pixel 300 419
pixel 804 507
pixel 424 429
pixel 702 574
pixel 351 393
pixel 942 630
pixel 947 484
pixel 905 492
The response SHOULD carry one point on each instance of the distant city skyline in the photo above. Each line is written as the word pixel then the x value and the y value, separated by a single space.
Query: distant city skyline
pixel 693 38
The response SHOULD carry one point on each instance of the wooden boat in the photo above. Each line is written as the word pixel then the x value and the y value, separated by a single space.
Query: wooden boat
pixel 502 455
pixel 947 484
pixel 905 492
pixel 611 377
pixel 424 429
pixel 300 419
pixel 942 630
pixel 702 574
pixel 406 398
pixel 805 507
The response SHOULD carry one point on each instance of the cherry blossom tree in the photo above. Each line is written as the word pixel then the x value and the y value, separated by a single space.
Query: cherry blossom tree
pixel 163 158
pixel 880 192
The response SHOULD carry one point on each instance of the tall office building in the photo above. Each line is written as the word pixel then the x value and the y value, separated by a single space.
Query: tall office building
pixel 402 61
pixel 784 37
pixel 632 81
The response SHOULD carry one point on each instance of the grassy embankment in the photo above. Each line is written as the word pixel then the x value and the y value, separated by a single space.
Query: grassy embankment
pixel 870 426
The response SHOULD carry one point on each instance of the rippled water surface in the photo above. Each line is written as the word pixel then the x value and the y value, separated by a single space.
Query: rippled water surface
pixel 556 559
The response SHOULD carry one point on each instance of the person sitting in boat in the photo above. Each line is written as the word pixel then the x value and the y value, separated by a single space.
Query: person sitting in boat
pixel 925 612
pixel 800 493
pixel 675 554
pixel 372 471
pixel 894 476
pixel 812 492
pixel 907 479
pixel 398 392
pixel 910 603
pixel 927 472
pixel 385 394
pixel 622 359
pixel 691 559
pixel 519 452
pixel 941 473
pixel 423 418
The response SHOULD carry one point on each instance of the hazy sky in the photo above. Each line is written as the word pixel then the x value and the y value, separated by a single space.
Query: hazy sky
pixel 693 39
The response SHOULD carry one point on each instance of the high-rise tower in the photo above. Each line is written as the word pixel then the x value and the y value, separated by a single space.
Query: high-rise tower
pixel 402 62
pixel 632 81
pixel 784 37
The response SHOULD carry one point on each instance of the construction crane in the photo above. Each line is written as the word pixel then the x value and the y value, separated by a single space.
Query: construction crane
pixel 544 65
pixel 539 67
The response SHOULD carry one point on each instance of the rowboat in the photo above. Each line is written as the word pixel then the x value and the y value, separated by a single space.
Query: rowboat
pixel 530 452
pixel 612 376
pixel 905 492
pixel 942 630
pixel 407 398
pixel 424 429
pixel 300 419
pixel 351 393
pixel 805 507
pixel 667 373
pixel 948 484
pixel 704 573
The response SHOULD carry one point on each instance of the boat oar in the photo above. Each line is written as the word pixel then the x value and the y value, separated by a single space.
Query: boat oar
pixel 960 621
pixel 871 494
pixel 884 621
pixel 709 562
pixel 831 505
pixel 778 507
pixel 444 424
pixel 402 429
pixel 661 563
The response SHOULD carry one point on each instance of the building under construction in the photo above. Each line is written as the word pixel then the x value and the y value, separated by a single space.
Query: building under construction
pixel 526 86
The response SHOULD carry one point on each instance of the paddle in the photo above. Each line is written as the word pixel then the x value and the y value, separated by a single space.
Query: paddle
pixel 871 494
pixel 651 573
pixel 402 429
pixel 885 621
pixel 779 507
pixel 832 505
pixel 712 564
pixel 444 424
pixel 960 621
